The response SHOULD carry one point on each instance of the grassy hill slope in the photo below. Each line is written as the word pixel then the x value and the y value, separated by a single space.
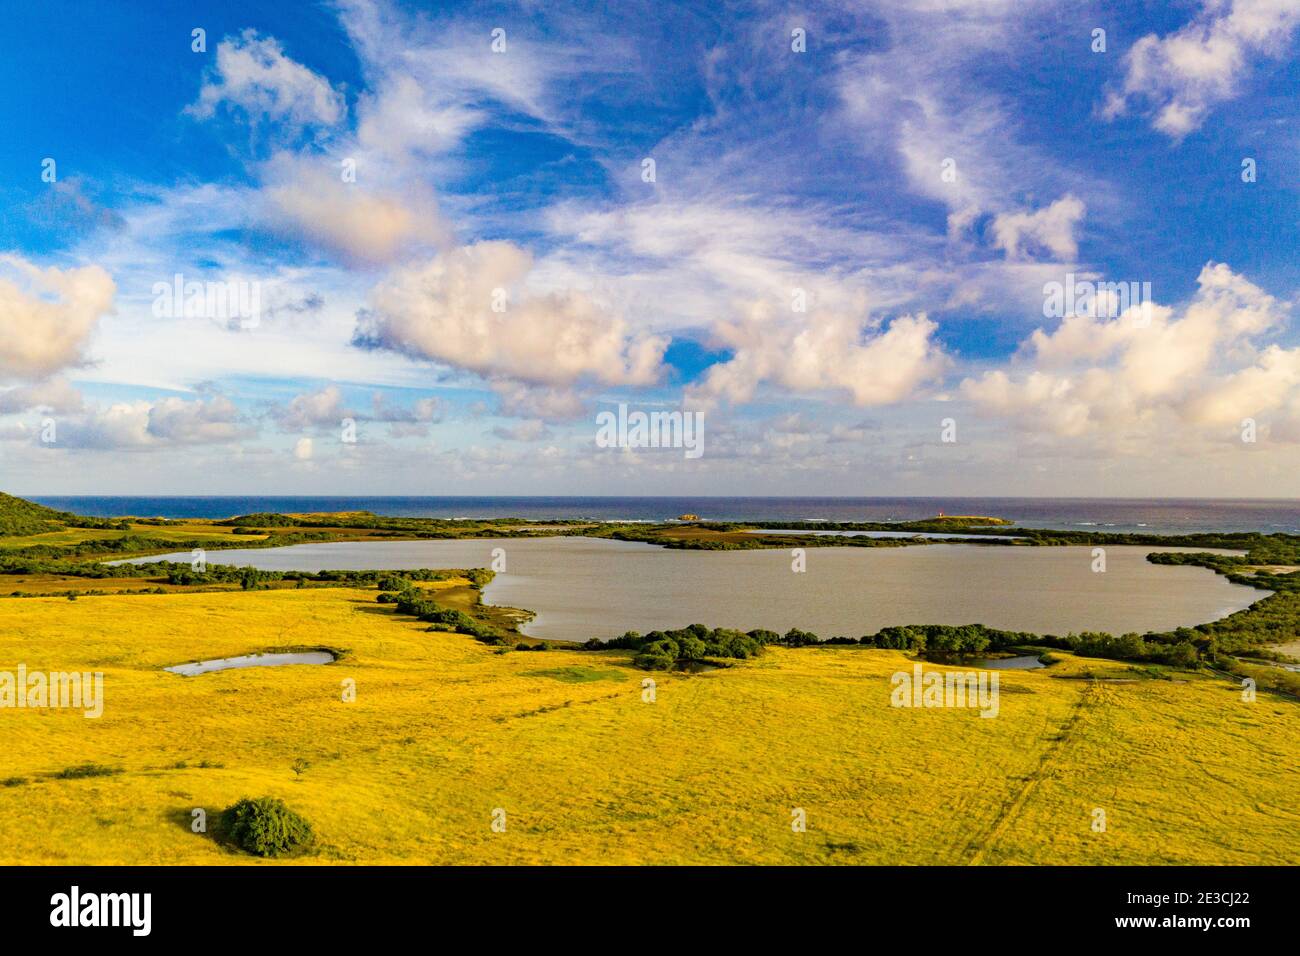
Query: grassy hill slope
pixel 18 516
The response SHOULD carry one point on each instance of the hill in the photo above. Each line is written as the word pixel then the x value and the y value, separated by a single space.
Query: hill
pixel 19 516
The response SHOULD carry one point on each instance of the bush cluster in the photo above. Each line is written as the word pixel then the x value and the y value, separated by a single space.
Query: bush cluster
pixel 266 827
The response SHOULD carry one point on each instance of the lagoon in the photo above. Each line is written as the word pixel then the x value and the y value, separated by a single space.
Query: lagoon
pixel 251 660
pixel 593 587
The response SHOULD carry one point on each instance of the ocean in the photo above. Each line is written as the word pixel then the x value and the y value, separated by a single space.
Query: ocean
pixel 1154 516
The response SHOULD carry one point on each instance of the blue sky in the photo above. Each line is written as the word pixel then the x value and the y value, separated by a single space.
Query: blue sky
pixel 914 173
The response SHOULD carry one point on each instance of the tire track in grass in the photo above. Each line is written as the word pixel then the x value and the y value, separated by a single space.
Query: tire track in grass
pixel 1092 696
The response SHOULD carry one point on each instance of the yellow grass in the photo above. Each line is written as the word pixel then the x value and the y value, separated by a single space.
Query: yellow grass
pixel 61 538
pixel 444 730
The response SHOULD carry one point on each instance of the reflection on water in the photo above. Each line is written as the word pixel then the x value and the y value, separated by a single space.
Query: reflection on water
pixel 1026 663
pixel 590 587
pixel 252 660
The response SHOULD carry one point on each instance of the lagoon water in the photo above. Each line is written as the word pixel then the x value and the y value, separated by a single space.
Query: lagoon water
pixel 589 587
pixel 1029 662
pixel 251 660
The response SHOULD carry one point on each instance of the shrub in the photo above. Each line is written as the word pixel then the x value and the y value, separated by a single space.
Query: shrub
pixel 658 655
pixel 87 770
pixel 412 601
pixel 480 577
pixel 266 827
pixel 797 638
pixel 662 650
pixel 653 659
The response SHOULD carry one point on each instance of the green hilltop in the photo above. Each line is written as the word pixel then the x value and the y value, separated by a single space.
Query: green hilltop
pixel 18 516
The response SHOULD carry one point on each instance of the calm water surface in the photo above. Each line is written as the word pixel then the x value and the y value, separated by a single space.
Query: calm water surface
pixel 1166 515
pixel 586 587
pixel 1024 663
pixel 251 660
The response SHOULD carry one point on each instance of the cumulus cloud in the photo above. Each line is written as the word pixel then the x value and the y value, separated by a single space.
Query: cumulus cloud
pixel 121 425
pixel 319 409
pixel 52 395
pixel 1203 366
pixel 143 424
pixel 1051 229
pixel 325 409
pixel 521 400
pixel 1183 75
pixel 1258 388
pixel 308 197
pixel 196 422
pixel 422 411
pixel 253 74
pixel 444 310
pixel 824 352
pixel 48 315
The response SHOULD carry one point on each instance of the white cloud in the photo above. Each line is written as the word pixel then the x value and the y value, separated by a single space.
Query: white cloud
pixel 46 322
pixel 319 409
pixel 308 197
pixel 460 78
pixel 1150 370
pixel 1184 75
pixel 1260 388
pixel 254 74
pixel 521 400
pixel 443 310
pixel 421 412
pixel 913 105
pixel 202 421
pixel 400 119
pixel 142 424
pixel 824 352
pixel 53 395
pixel 302 449
pixel 1051 229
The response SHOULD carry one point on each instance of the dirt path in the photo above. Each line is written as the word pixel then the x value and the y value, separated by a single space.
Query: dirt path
pixel 1092 696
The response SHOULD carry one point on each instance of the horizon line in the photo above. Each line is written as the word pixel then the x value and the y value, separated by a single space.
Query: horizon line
pixel 956 497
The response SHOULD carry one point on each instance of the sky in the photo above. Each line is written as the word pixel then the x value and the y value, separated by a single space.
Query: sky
pixel 370 247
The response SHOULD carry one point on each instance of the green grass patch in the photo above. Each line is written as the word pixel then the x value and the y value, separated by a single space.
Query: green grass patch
pixel 87 770
pixel 578 675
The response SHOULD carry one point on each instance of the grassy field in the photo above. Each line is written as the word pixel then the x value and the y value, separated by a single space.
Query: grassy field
pixel 444 730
